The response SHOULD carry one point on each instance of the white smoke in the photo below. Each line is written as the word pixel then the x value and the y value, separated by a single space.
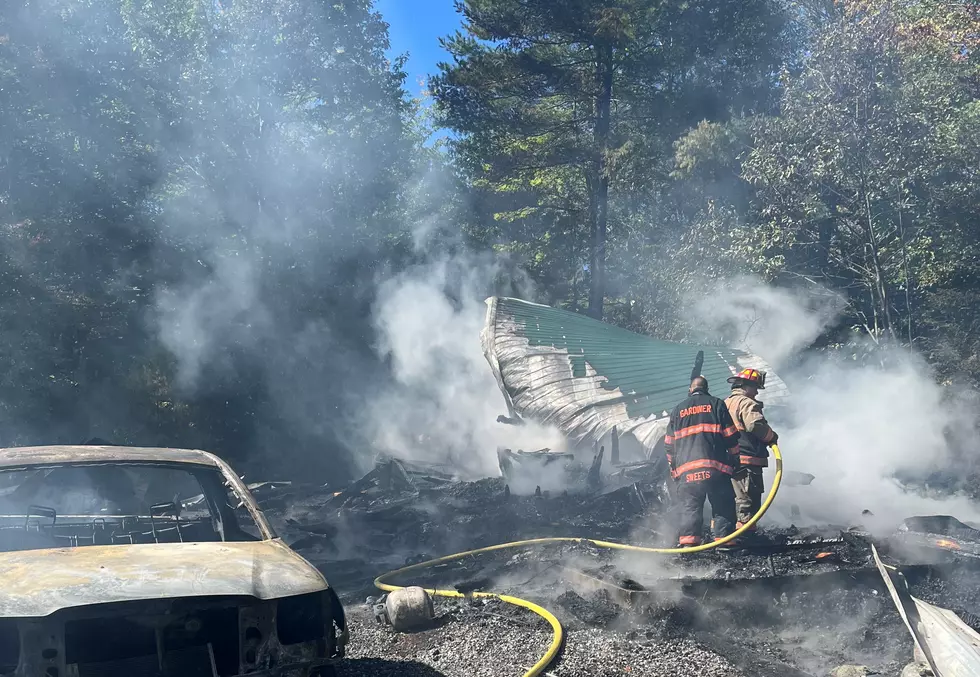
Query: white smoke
pixel 444 403
pixel 855 425
pixel 860 426
pixel 774 323
pixel 191 320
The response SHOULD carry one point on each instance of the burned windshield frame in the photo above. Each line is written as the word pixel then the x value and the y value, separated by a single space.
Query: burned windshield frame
pixel 169 520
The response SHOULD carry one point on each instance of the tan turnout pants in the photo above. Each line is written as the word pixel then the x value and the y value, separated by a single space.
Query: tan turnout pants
pixel 748 485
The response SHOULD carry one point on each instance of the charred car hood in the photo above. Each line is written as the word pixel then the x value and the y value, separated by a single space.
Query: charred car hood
pixel 36 583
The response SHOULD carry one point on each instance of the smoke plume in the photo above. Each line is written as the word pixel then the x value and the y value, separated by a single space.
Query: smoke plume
pixel 775 323
pixel 443 403
pixel 861 418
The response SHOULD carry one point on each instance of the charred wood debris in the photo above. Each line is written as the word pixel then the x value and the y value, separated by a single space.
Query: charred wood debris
pixel 799 602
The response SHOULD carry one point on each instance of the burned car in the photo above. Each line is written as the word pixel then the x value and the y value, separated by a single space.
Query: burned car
pixel 151 562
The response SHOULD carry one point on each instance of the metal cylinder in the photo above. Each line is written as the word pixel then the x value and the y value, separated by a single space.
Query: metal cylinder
pixel 409 609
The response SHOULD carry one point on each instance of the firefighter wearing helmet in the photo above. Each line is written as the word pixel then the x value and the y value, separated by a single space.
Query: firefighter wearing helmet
pixel 753 443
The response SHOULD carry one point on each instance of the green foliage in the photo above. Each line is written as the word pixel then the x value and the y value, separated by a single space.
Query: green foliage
pixel 152 152
pixel 205 194
pixel 864 180
pixel 566 112
pixel 854 168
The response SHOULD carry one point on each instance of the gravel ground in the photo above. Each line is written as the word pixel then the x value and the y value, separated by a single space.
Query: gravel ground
pixel 495 640
pixel 785 613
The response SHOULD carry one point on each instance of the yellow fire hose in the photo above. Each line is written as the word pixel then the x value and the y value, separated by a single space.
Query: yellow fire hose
pixel 557 632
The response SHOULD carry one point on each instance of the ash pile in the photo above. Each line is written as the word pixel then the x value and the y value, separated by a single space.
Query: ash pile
pixel 800 602
pixel 403 512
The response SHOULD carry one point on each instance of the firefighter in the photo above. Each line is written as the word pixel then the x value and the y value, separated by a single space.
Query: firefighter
pixel 701 446
pixel 753 444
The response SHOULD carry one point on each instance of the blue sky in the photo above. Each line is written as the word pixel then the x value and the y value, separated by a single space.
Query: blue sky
pixel 416 26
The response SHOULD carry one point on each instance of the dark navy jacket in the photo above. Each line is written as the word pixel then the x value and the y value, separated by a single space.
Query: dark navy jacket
pixel 701 440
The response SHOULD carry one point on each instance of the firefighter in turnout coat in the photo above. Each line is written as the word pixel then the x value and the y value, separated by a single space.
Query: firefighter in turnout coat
pixel 702 447
pixel 756 436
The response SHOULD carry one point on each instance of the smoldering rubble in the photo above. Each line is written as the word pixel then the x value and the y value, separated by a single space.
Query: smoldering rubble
pixel 807 602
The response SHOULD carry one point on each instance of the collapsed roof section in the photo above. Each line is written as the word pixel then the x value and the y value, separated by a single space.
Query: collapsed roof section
pixel 950 647
pixel 585 377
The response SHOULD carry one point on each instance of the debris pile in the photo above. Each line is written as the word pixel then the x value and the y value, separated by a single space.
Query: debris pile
pixel 401 512
pixel 799 601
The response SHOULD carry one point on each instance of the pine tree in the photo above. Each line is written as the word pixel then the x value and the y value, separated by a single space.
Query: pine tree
pixel 562 106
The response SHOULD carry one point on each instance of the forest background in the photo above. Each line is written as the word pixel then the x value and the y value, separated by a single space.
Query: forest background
pixel 226 224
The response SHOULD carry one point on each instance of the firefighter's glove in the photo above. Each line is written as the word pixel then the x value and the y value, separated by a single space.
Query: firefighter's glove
pixel 775 438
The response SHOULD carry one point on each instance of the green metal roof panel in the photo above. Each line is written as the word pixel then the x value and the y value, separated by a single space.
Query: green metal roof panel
pixel 585 376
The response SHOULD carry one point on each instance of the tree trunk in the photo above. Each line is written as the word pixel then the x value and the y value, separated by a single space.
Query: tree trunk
pixel 603 104
pixel 908 276
pixel 879 275
pixel 576 267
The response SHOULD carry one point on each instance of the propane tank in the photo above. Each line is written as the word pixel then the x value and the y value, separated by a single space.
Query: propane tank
pixel 409 609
